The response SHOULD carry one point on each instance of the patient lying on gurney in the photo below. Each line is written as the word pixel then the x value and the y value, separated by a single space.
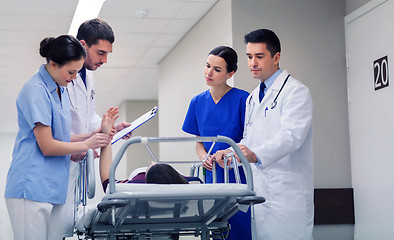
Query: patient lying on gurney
pixel 156 173
pixel 167 210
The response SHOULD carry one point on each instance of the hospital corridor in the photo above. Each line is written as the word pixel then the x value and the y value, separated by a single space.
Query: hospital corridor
pixel 196 119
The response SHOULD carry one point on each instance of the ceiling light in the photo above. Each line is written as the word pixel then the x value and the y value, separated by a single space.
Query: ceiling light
pixel 86 9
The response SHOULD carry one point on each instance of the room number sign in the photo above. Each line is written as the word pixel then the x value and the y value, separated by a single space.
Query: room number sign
pixel 381 73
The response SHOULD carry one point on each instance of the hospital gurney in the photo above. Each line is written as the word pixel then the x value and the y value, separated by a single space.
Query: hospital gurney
pixel 139 211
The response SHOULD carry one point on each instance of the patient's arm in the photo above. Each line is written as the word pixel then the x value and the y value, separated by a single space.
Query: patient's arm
pixel 107 123
pixel 105 162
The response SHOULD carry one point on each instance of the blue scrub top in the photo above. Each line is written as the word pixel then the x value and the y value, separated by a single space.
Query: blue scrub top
pixel 205 118
pixel 32 175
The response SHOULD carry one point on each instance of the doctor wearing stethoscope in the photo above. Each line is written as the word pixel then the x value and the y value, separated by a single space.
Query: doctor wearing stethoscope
pixel 97 37
pixel 84 118
pixel 278 142
pixel 82 99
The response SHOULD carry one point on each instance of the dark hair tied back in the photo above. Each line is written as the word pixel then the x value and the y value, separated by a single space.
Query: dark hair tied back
pixel 229 55
pixel 45 45
pixel 62 49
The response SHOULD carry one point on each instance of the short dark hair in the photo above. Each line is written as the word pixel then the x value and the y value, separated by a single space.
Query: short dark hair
pixel 264 36
pixel 94 30
pixel 161 173
pixel 62 49
pixel 229 55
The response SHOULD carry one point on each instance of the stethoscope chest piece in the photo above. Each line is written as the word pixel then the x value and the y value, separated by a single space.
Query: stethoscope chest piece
pixel 273 104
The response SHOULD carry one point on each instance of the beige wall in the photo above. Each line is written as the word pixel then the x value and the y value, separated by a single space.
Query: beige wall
pixel 313 50
pixel 181 76
pixel 137 155
pixel 312 35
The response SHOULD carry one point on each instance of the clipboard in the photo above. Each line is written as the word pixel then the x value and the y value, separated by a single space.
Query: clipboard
pixel 138 122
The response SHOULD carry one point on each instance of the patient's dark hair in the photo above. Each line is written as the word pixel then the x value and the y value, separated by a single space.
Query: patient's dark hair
pixel 164 174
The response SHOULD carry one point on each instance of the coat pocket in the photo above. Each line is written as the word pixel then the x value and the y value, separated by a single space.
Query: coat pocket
pixel 286 192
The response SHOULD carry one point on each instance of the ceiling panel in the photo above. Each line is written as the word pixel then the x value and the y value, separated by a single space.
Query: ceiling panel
pixel 137 73
pixel 193 10
pixel 167 40
pixel 38 7
pixel 139 40
pixel 131 72
pixel 179 26
pixel 26 36
pixel 9 61
pixel 22 50
pixel 156 8
pixel 128 51
pixel 29 23
pixel 147 62
pixel 137 25
pixel 156 52
pixel 121 62
pixel 110 72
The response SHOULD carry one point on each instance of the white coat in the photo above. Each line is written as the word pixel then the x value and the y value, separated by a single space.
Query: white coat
pixel 83 105
pixel 282 140
pixel 83 119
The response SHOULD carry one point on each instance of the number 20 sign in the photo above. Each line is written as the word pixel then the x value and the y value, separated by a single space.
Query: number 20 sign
pixel 381 73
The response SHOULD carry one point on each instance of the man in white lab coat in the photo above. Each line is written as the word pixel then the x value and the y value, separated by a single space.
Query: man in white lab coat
pixel 97 37
pixel 278 142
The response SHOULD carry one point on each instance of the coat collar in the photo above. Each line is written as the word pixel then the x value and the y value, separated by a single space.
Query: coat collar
pixel 276 85
pixel 279 81
pixel 78 83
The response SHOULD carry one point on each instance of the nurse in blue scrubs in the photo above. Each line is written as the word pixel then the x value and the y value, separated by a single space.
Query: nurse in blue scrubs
pixel 37 180
pixel 220 111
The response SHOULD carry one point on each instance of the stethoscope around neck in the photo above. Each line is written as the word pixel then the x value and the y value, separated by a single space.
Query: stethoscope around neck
pixel 72 101
pixel 273 104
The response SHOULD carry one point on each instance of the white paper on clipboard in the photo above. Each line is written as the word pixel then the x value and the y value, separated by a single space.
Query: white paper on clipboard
pixel 138 122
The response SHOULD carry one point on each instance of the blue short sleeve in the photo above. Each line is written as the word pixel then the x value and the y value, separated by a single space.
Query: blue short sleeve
pixel 190 124
pixel 35 105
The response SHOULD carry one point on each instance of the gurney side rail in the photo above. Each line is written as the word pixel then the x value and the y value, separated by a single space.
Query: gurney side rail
pixel 145 140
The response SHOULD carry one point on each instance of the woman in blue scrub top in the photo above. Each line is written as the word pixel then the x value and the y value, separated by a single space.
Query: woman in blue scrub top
pixel 37 180
pixel 220 111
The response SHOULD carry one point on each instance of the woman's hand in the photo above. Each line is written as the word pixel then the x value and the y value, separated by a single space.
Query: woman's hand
pixel 208 163
pixel 80 156
pixel 108 121
pixel 98 140
pixel 77 157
